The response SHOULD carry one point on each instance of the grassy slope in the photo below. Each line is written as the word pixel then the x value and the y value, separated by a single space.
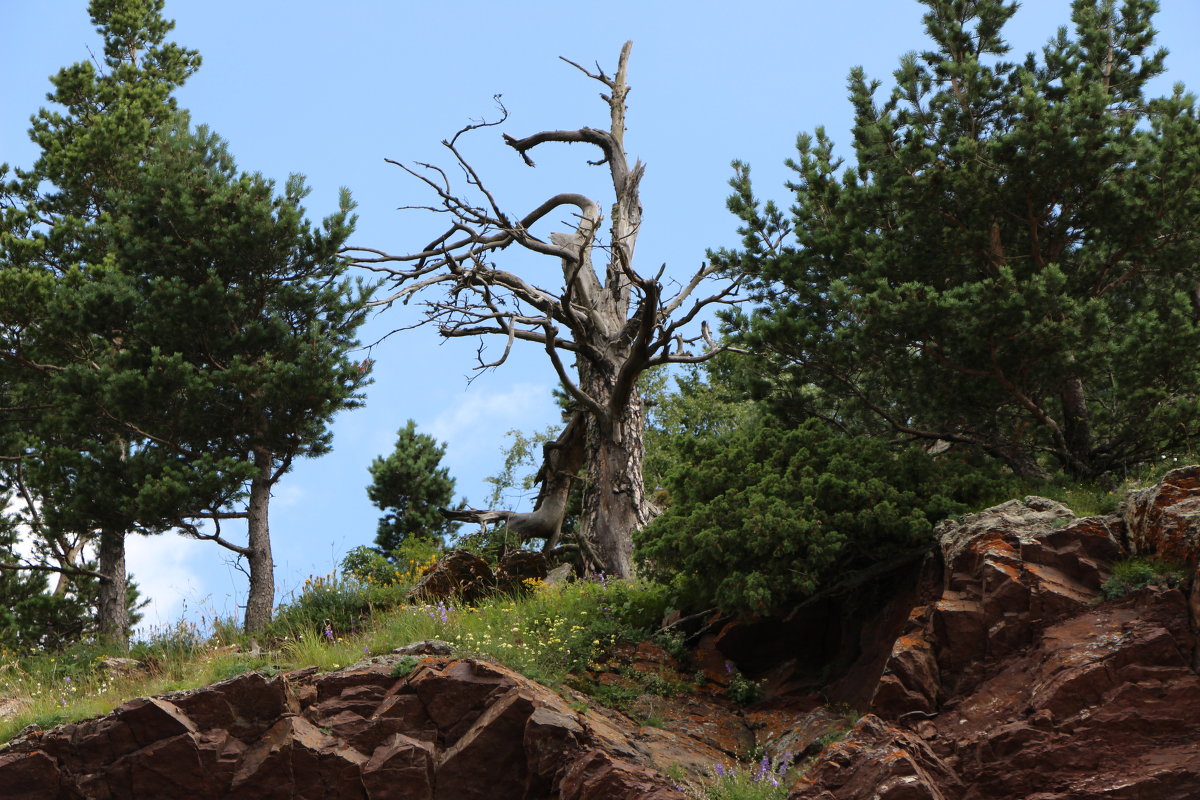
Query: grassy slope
pixel 546 634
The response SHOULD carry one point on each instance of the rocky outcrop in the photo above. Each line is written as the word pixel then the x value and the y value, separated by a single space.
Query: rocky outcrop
pixel 451 729
pixel 1008 573
pixel 1164 520
pixel 998 671
pixel 1015 680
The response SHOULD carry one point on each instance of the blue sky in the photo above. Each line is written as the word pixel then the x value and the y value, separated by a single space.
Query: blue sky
pixel 303 86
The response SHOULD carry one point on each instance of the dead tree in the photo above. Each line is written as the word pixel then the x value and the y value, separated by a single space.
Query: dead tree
pixel 615 325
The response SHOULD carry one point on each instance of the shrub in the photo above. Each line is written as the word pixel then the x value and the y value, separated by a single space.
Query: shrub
pixel 404 666
pixel 404 565
pixel 763 516
pixel 339 603
pixel 1131 574
pixel 742 690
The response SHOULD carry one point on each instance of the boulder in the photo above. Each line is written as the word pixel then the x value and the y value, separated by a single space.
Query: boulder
pixel 518 569
pixel 458 576
pixel 12 706
pixel 879 761
pixel 1164 521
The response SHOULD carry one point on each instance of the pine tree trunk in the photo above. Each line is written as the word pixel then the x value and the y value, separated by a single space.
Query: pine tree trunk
pixel 261 599
pixel 112 608
pixel 614 498
pixel 1076 428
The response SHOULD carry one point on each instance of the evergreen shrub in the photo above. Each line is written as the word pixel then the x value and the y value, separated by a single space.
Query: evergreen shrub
pixel 766 515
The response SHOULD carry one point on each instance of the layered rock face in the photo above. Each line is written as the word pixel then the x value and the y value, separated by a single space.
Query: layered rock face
pixel 451 730
pixel 1009 677
pixel 1016 681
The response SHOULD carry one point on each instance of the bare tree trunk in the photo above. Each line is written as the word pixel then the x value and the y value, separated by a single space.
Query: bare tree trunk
pixel 113 609
pixel 614 498
pixel 261 599
pixel 68 559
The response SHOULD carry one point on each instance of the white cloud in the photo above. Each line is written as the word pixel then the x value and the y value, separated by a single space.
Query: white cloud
pixel 164 569
pixel 485 416
pixel 475 429
pixel 482 419
pixel 286 495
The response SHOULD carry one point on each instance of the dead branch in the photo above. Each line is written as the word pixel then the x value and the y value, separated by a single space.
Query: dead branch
pixel 614 319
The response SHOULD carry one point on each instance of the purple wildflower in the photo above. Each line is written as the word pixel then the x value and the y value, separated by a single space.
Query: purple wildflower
pixel 329 630
pixel 764 767
pixel 720 770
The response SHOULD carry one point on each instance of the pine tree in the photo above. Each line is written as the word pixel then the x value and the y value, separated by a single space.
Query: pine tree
pixel 30 615
pixel 52 251
pixel 179 330
pixel 246 323
pixel 1009 262
pixel 411 488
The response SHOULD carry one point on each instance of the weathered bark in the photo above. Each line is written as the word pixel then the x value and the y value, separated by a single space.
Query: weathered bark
pixel 112 614
pixel 614 497
pixel 261 598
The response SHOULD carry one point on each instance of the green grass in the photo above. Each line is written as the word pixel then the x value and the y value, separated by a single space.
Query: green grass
pixel 68 686
pixel 546 634
pixel 331 623
pixel 1131 574
pixel 1103 495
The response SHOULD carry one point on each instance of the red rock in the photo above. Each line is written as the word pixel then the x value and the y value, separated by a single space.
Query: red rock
pixel 245 706
pixel 295 759
pixel 878 761
pixel 598 776
pixel 150 719
pixel 913 680
pixel 368 684
pixel 549 735
pixel 1066 698
pixel 29 776
pixel 401 769
pixel 171 767
pixel 1164 520
pixel 488 761
pixel 408 713
pixel 455 693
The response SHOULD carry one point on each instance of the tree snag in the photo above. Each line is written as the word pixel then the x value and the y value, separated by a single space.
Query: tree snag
pixel 616 324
